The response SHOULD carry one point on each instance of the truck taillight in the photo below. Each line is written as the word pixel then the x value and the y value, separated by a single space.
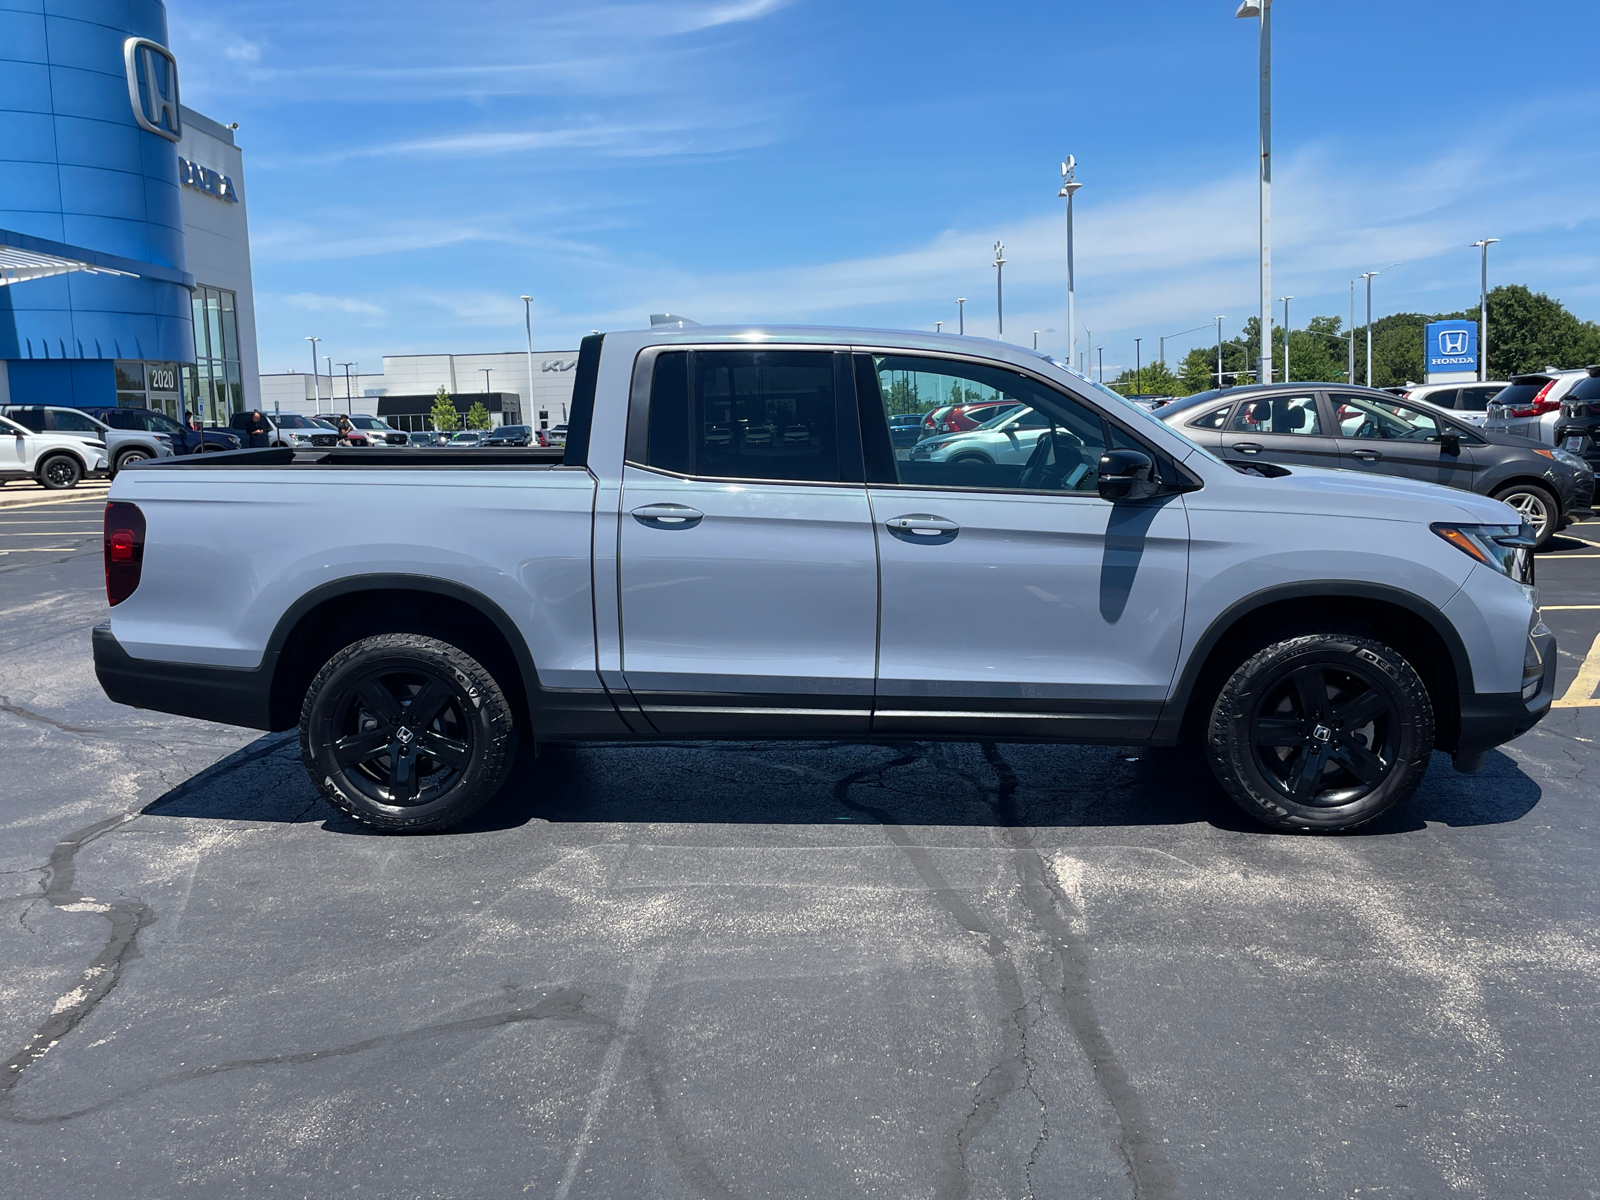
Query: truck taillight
pixel 124 550
pixel 1540 405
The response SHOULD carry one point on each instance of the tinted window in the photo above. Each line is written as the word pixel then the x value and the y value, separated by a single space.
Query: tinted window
pixel 123 419
pixel 161 423
pixel 1476 399
pixel 1278 414
pixel 745 414
pixel 1444 399
pixel 73 422
pixel 1519 394
pixel 1212 420
pixel 31 418
pixel 1051 443
pixel 1586 389
pixel 1362 417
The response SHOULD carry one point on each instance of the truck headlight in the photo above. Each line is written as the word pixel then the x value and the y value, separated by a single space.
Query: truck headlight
pixel 1504 548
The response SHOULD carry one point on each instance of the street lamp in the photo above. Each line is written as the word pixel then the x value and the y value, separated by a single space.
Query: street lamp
pixel 1219 351
pixel 1138 368
pixel 1483 310
pixel 999 287
pixel 1100 351
pixel 349 405
pixel 527 321
pixel 938 326
pixel 1350 372
pixel 1368 277
pixel 1035 339
pixel 1180 333
pixel 961 314
pixel 1262 9
pixel 1286 300
pixel 1068 187
pixel 1088 352
pixel 485 371
pixel 316 384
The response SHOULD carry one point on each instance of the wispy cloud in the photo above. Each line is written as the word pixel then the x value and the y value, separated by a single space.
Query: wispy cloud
pixel 313 302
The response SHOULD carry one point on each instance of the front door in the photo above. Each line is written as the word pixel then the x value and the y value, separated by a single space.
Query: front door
pixel 1281 427
pixel 748 570
pixel 1388 438
pixel 13 449
pixel 1016 602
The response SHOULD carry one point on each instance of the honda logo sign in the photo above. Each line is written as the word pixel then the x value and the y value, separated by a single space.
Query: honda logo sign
pixel 153 87
pixel 1452 342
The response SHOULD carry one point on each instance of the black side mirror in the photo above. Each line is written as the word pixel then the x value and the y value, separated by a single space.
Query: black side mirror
pixel 1450 442
pixel 1127 475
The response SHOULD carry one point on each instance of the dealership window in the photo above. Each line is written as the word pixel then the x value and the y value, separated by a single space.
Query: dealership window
pixel 215 387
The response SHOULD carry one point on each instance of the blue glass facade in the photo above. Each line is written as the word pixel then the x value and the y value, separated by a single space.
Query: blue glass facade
pixel 80 179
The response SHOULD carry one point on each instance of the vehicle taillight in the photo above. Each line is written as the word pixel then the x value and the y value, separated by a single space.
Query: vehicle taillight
pixel 1540 405
pixel 124 550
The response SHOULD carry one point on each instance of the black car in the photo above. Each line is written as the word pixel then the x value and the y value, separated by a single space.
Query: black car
pixel 1578 427
pixel 509 435
pixel 1363 429
pixel 184 440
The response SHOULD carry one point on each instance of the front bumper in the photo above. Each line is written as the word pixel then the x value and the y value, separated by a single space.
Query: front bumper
pixel 227 695
pixel 1490 719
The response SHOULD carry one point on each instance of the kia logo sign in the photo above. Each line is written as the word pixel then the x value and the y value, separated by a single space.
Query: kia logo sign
pixel 1452 342
pixel 153 87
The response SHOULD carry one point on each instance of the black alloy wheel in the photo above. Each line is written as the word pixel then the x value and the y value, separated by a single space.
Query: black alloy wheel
pixel 405 733
pixel 60 472
pixel 1323 731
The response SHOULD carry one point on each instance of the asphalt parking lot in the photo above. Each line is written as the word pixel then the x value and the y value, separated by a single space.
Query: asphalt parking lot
pixel 777 969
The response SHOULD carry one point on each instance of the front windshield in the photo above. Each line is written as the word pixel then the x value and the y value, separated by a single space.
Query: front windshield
pixel 1129 409
pixel 295 421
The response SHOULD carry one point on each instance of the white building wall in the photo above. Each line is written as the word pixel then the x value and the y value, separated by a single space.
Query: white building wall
pixel 296 393
pixel 217 235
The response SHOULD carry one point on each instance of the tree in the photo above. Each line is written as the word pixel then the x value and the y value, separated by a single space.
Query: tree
pixel 1156 379
pixel 478 416
pixel 444 416
pixel 1529 331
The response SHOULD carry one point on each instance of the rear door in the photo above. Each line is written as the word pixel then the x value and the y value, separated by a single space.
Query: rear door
pixel 1281 427
pixel 748 569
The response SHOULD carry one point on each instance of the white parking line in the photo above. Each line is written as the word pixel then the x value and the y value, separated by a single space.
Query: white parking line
pixel 1580 693
pixel 39 550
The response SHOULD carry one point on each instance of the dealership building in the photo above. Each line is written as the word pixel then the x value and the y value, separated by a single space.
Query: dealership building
pixel 124 245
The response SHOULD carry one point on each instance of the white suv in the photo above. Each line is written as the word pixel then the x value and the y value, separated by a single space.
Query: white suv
pixel 54 460
pixel 1469 401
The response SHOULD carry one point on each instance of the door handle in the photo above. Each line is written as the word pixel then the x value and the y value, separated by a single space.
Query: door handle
pixel 1247 447
pixel 668 516
pixel 1366 455
pixel 923 528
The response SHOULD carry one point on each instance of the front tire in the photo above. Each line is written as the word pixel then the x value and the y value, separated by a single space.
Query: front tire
pixel 405 733
pixel 128 458
pixel 1535 505
pixel 1321 732
pixel 60 472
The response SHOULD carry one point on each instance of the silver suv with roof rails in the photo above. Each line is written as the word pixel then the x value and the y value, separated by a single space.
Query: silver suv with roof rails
pixel 1319 633
pixel 1530 405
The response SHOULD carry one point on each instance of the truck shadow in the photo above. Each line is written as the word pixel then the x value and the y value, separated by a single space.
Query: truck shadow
pixel 790 783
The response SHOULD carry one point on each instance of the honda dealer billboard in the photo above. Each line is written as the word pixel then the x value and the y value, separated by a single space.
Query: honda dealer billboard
pixel 1451 347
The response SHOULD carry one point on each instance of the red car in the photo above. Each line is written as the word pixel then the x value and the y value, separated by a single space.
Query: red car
pixel 962 417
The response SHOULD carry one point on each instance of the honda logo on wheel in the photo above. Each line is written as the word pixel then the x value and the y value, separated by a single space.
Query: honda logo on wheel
pixel 153 87
pixel 1452 342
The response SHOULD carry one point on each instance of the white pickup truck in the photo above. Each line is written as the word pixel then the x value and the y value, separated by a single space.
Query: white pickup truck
pixel 731 546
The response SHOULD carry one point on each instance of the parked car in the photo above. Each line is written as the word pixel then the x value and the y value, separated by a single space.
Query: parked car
pixel 53 460
pixel 467 437
pixel 1361 429
pixel 1319 632
pixel 510 435
pixel 905 429
pixel 366 429
pixel 1009 437
pixel 556 435
pixel 288 429
pixel 931 419
pixel 1469 401
pixel 123 447
pixel 1530 405
pixel 184 440
pixel 425 439
pixel 1578 430
pixel 961 417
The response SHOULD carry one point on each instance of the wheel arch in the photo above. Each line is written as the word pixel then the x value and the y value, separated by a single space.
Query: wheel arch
pixel 1544 485
pixel 1416 628
pixel 329 617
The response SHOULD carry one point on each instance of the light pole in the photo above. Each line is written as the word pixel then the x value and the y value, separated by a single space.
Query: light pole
pixel 316 384
pixel 527 322
pixel 1286 300
pixel 1101 352
pixel 1180 333
pixel 1138 368
pixel 1350 373
pixel 1088 352
pixel 1219 351
pixel 999 287
pixel 1068 187
pixel 961 315
pixel 1035 339
pixel 485 371
pixel 328 358
pixel 938 326
pixel 1263 10
pixel 1483 310
pixel 349 405
pixel 1368 277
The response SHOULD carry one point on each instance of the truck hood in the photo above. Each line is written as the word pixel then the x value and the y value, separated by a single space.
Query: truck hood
pixel 1325 492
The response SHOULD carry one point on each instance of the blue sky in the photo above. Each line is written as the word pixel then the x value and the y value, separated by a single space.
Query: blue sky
pixel 412 168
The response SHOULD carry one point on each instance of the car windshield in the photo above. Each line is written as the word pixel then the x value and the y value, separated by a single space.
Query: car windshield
pixel 162 423
pixel 362 422
pixel 296 421
pixel 1584 389
pixel 1517 394
pixel 466 437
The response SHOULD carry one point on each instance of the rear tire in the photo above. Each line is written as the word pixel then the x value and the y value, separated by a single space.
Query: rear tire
pixel 406 734
pixel 60 472
pixel 1536 505
pixel 1322 732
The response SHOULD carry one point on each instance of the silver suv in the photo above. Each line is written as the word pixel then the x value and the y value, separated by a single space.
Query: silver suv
pixel 1469 401
pixel 123 447
pixel 1530 405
